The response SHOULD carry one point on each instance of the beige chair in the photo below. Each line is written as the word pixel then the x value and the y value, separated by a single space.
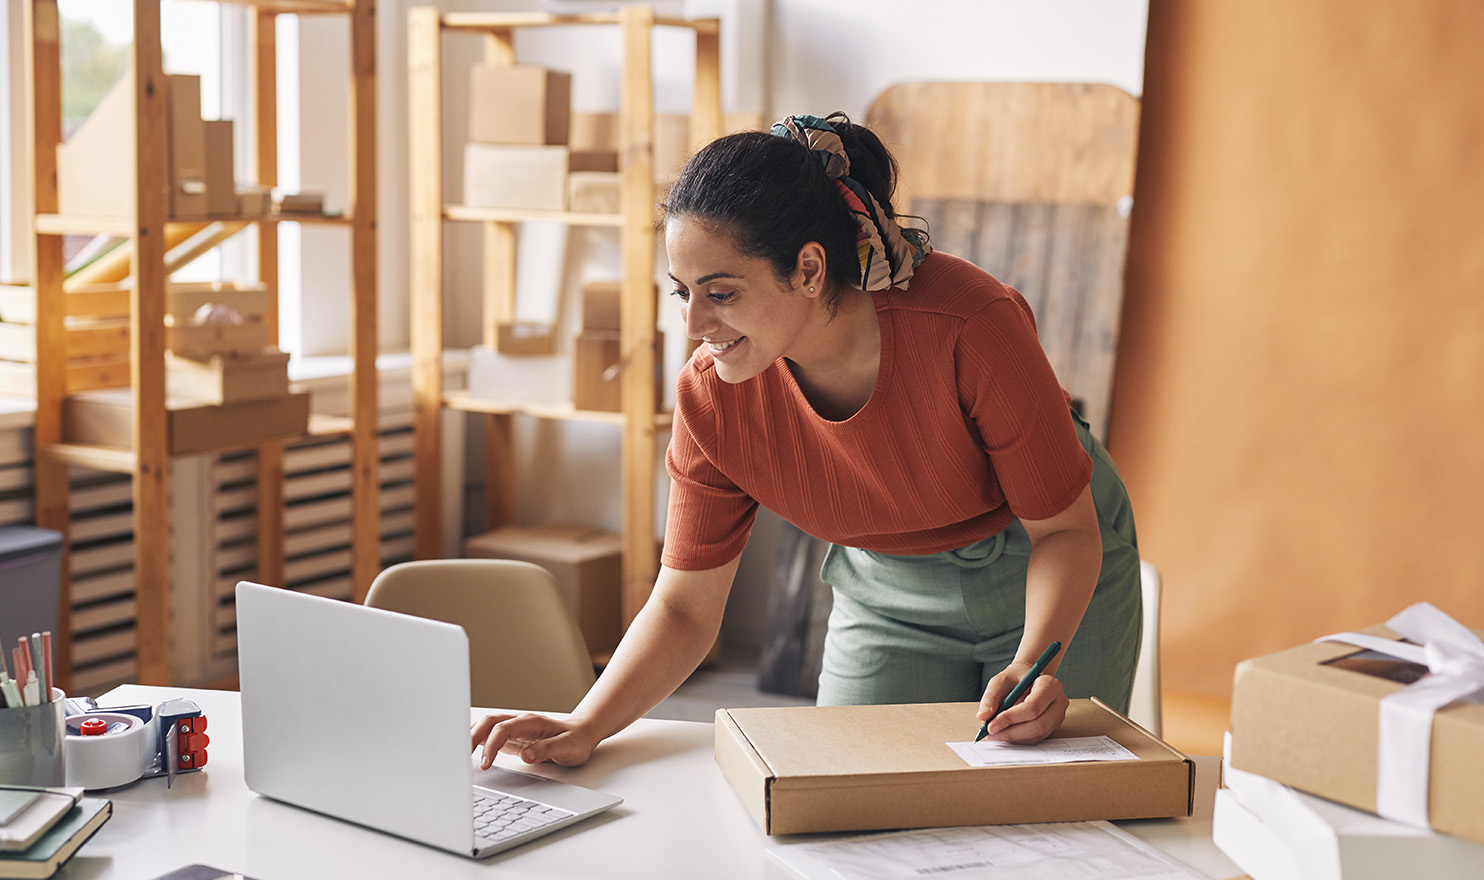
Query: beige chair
pixel 525 651
pixel 1144 704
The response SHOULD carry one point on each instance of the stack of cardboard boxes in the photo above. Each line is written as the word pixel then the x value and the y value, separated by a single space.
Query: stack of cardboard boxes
pixel 1312 752
pixel 519 154
pixel 597 358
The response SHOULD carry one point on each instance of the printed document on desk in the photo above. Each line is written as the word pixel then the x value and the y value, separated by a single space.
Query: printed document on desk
pixel 987 753
pixel 1005 852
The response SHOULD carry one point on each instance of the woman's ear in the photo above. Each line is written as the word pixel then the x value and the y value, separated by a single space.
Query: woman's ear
pixel 810 272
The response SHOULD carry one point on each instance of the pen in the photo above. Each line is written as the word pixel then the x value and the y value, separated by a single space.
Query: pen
pixel 1021 687
pixel 38 663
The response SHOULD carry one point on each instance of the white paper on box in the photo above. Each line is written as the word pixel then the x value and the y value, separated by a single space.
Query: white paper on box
pixel 991 753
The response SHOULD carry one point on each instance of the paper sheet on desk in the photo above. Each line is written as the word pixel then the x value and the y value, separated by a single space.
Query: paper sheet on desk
pixel 1092 850
pixel 1052 751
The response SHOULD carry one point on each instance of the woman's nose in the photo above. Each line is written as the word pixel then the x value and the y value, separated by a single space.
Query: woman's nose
pixel 697 319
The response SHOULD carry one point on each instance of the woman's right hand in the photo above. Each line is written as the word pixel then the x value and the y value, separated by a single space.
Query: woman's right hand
pixel 533 738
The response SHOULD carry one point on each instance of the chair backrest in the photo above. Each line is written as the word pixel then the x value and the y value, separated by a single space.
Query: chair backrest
pixel 1033 183
pixel 525 651
pixel 1144 705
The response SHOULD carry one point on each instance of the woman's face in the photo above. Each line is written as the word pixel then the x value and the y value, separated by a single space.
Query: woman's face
pixel 734 304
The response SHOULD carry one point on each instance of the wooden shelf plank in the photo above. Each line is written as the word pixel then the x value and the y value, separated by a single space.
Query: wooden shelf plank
pixel 78 224
pixel 295 7
pixel 321 425
pixel 494 21
pixel 542 409
pixel 520 215
pixel 114 459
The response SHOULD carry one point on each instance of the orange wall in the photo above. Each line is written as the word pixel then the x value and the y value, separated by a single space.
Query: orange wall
pixel 1299 405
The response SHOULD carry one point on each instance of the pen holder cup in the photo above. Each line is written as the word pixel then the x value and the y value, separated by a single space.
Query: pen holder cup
pixel 32 739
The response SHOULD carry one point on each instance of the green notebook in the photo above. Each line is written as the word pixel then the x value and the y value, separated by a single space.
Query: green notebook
pixel 58 844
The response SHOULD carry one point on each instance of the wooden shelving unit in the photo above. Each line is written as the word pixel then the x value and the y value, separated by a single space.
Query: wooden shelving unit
pixel 149 233
pixel 639 418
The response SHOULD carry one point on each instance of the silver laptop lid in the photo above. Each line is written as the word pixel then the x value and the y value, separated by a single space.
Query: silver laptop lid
pixel 356 712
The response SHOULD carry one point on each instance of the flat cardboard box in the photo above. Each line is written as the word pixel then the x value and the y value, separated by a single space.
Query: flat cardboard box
pixel 807 769
pixel 1274 832
pixel 525 337
pixel 519 104
pixel 187 147
pixel 1301 719
pixel 228 378
pixel 106 418
pixel 221 187
pixel 586 562
pixel 594 192
pixel 596 365
pixel 601 305
pixel 518 177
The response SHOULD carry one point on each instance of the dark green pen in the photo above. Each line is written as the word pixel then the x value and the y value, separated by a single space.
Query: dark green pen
pixel 1021 687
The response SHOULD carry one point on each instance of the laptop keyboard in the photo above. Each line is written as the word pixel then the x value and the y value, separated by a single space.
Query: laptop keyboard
pixel 507 817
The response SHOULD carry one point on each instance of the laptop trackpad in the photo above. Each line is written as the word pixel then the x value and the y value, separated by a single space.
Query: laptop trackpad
pixel 558 794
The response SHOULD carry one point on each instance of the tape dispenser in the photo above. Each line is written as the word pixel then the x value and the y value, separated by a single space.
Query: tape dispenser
pixel 115 745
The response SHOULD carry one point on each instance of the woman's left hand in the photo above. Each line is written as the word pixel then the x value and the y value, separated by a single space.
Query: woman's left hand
pixel 1035 717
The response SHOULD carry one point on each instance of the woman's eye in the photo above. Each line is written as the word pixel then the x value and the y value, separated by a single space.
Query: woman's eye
pixel 684 295
pixel 719 297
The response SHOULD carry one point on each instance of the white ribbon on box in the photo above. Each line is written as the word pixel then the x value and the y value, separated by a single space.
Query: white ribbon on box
pixel 1454 657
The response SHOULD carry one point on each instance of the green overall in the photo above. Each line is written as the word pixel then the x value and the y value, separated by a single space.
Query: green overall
pixel 920 629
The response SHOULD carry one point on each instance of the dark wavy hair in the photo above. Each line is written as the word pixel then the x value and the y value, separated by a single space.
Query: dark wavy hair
pixel 771 195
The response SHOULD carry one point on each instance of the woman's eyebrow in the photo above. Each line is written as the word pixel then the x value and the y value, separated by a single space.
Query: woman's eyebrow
pixel 705 278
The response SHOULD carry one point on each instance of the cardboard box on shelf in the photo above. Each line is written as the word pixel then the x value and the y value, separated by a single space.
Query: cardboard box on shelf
pixel 1308 717
pixel 860 768
pixel 1274 832
pixel 253 201
pixel 595 192
pixel 601 301
pixel 494 375
pixel 106 418
pixel 586 563
pixel 518 177
pixel 525 337
pixel 594 160
pixel 187 147
pixel 221 189
pixel 228 378
pixel 519 104
pixel 597 361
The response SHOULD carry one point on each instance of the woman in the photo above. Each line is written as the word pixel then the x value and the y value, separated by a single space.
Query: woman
pixel 895 402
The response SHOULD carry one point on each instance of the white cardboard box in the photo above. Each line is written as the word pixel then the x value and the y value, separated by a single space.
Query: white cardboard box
pixel 1274 832
pixel 515 176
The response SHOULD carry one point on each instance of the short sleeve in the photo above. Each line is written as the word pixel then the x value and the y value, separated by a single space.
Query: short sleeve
pixel 709 517
pixel 1012 397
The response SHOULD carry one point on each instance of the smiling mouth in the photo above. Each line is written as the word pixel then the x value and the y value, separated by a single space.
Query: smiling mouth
pixel 719 347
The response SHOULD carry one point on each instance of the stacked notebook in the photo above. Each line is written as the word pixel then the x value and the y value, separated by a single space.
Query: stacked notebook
pixel 40 828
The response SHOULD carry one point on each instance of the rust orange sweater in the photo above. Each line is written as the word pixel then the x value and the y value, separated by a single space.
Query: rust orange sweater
pixel 966 429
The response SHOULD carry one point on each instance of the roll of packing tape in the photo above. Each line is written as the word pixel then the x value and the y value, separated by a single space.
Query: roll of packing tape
pixel 115 757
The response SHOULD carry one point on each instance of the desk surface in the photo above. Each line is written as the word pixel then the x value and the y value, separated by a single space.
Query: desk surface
pixel 679 819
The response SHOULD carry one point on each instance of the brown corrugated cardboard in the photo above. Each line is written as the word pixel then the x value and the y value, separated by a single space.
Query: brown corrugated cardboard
pixel 1302 720
pixel 586 563
pixel 520 177
pixel 106 418
pixel 228 378
pixel 525 337
pixel 187 148
pixel 594 160
pixel 594 192
pixel 600 305
pixel 860 768
pixel 519 104
pixel 221 190
pixel 596 363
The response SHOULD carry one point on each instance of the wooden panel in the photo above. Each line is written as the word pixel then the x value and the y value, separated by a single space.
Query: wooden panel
pixel 1010 142
pixel 424 61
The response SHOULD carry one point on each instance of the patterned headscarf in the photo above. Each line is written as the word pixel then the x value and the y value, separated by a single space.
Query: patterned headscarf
pixel 887 252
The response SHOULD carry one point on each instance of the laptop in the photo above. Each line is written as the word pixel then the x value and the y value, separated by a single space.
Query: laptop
pixel 363 714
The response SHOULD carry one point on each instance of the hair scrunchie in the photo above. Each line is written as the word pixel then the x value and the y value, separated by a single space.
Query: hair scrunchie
pixel 887 252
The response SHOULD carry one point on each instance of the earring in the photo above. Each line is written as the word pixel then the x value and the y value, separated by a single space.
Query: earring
pixel 811 288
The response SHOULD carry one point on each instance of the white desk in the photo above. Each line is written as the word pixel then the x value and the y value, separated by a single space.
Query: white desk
pixel 679 819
